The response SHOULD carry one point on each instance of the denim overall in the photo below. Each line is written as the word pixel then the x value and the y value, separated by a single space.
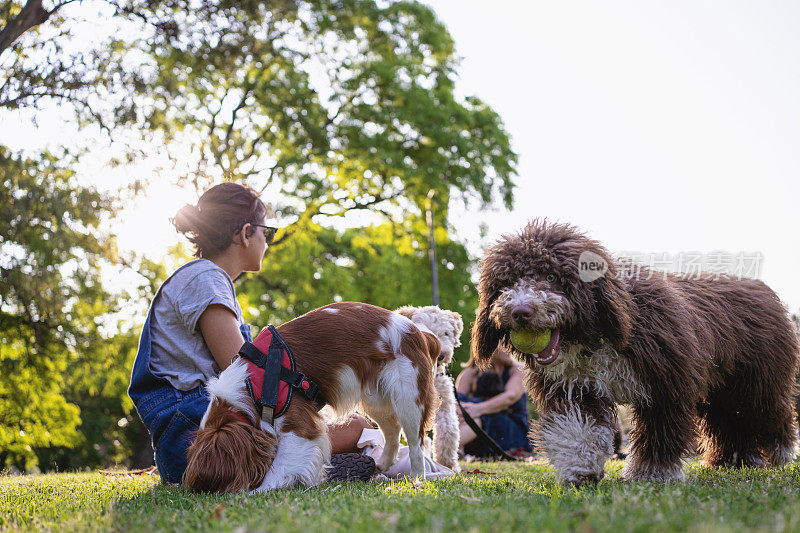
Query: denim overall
pixel 171 416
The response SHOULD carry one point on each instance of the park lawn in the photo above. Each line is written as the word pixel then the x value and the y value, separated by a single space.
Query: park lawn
pixel 519 497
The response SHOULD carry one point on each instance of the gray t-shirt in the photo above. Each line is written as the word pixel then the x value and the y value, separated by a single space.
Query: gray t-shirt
pixel 178 351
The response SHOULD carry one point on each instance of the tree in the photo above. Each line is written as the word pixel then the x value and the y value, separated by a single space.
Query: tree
pixel 19 19
pixel 386 265
pixel 64 361
pixel 51 297
pixel 329 107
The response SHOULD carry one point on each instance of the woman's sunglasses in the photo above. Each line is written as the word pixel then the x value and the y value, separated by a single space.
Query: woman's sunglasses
pixel 269 232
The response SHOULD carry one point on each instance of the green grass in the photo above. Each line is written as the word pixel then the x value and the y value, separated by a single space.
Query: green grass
pixel 520 497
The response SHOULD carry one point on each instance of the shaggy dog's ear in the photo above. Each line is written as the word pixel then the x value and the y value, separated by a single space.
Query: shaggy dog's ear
pixel 614 307
pixel 228 455
pixel 485 336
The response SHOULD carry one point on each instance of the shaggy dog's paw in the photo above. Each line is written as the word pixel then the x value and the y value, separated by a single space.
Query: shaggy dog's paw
pixel 752 461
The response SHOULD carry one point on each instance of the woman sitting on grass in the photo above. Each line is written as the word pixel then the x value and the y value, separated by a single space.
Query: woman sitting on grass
pixel 497 401
pixel 194 326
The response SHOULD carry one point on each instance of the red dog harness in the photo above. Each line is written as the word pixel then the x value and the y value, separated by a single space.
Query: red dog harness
pixel 272 375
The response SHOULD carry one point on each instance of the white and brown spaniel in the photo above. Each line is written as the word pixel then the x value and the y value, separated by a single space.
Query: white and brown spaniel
pixel 360 356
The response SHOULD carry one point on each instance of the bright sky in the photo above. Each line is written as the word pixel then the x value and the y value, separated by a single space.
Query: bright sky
pixel 654 126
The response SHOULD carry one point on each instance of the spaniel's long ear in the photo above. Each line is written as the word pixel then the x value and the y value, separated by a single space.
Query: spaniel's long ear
pixel 434 346
pixel 485 336
pixel 228 455
pixel 614 307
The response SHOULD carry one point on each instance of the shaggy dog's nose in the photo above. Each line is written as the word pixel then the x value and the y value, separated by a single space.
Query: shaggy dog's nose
pixel 522 314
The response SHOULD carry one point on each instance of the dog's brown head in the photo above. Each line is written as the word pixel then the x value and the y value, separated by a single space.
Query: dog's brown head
pixel 549 279
pixel 229 454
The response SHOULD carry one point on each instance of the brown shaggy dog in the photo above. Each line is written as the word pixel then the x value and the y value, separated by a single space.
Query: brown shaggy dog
pixel 718 355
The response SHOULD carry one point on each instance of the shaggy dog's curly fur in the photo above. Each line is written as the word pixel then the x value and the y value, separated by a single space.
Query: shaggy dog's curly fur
pixel 718 355
pixel 447 327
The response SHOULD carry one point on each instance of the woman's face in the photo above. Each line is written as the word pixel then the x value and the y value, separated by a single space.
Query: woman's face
pixel 257 247
pixel 502 357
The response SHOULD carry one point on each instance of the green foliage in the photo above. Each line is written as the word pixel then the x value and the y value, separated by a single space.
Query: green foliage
pixel 385 265
pixel 337 106
pixel 51 297
pixel 330 108
pixel 52 62
pixel 64 362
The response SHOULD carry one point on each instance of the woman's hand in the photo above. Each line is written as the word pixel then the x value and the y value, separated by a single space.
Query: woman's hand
pixel 514 389
pixel 474 409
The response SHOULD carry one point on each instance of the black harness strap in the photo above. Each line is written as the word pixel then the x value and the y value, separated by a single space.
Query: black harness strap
pixel 274 372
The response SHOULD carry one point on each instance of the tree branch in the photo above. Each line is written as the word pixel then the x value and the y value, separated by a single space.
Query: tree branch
pixel 59 6
pixel 31 15
pixel 233 117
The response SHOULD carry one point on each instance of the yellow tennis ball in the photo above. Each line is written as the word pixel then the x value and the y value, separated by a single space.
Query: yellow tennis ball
pixel 527 341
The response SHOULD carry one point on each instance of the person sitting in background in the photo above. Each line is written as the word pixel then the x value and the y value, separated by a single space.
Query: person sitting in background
pixel 497 401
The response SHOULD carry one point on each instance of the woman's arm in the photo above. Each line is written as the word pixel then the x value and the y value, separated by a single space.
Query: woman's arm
pixel 513 391
pixel 221 332
pixel 466 380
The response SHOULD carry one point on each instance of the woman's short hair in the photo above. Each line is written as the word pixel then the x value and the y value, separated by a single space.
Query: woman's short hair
pixel 220 213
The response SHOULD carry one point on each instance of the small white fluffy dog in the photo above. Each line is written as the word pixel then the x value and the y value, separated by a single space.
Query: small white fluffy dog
pixel 447 327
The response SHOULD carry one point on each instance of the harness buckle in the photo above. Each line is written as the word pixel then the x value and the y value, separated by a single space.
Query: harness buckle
pixel 268 414
pixel 307 387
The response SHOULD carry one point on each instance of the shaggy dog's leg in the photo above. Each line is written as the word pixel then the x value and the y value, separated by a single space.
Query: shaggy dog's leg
pixel 778 435
pixel 577 435
pixel 663 432
pixel 728 435
pixel 446 436
pixel 740 430
pixel 780 443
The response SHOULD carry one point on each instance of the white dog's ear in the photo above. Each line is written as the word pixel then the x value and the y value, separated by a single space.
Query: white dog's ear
pixel 458 326
pixel 407 311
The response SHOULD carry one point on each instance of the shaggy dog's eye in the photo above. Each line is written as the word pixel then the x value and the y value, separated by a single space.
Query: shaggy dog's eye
pixel 551 278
